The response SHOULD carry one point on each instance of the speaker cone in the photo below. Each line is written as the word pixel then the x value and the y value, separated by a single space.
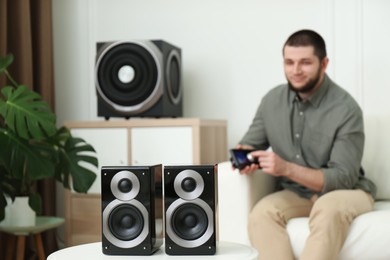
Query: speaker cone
pixel 125 185
pixel 173 76
pixel 128 76
pixel 189 184
pixel 189 224
pixel 126 222
pixel 189 221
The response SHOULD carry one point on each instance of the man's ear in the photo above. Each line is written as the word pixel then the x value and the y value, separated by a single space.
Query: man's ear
pixel 324 63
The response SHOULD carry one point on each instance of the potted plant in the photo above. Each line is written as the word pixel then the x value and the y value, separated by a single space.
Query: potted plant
pixel 33 148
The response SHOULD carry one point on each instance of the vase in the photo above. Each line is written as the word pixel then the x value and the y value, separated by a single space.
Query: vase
pixel 18 213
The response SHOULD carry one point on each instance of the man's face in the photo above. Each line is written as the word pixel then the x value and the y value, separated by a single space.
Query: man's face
pixel 304 71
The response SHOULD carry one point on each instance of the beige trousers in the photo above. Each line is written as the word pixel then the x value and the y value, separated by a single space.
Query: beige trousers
pixel 330 217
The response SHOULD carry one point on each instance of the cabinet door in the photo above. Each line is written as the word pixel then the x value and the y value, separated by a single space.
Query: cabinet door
pixel 110 145
pixel 161 145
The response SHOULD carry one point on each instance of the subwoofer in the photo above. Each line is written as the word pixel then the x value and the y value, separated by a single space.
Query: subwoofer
pixel 132 222
pixel 140 78
pixel 190 199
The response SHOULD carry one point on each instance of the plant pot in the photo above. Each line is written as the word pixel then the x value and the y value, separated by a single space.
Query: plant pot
pixel 18 213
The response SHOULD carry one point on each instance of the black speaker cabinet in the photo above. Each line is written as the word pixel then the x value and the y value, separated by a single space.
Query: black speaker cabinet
pixel 138 79
pixel 132 222
pixel 190 198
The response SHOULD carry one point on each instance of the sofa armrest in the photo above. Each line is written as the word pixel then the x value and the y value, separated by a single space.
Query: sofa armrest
pixel 237 194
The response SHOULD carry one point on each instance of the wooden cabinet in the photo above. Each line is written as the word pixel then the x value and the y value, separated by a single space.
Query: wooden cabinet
pixel 180 141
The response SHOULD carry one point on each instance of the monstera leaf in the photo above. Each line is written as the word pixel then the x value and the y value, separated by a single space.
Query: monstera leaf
pixel 5 62
pixel 26 114
pixel 25 160
pixel 76 161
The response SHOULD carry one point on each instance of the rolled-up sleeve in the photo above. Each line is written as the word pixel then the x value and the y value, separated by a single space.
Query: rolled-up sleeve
pixel 342 170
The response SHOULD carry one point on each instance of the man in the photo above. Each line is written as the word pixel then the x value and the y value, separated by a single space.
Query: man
pixel 315 131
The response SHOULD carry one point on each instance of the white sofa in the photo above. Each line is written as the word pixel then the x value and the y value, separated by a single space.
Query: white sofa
pixel 369 235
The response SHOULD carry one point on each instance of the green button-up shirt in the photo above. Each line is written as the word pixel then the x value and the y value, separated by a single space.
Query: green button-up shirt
pixel 324 132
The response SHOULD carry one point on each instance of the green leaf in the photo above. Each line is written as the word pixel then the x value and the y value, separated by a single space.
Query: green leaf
pixel 25 161
pixel 82 176
pixel 26 114
pixel 5 62
pixel 3 204
pixel 35 202
pixel 77 162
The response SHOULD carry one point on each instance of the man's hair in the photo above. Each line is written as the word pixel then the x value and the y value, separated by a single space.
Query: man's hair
pixel 308 38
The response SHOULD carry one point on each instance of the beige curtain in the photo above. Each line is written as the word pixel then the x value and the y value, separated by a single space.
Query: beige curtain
pixel 26 32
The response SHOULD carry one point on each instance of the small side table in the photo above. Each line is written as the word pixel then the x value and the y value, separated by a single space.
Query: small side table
pixel 41 224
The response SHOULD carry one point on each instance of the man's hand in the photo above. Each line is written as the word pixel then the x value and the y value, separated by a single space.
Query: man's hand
pixel 248 169
pixel 271 163
pixel 274 165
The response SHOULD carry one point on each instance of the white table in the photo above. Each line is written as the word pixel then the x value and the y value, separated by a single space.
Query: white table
pixel 225 250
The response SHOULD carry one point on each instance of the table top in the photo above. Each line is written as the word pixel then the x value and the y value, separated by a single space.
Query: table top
pixel 41 224
pixel 225 250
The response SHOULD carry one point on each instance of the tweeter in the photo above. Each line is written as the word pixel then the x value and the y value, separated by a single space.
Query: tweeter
pixel 140 78
pixel 190 209
pixel 132 222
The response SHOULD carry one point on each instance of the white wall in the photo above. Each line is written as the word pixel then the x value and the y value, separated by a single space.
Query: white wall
pixel 231 49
